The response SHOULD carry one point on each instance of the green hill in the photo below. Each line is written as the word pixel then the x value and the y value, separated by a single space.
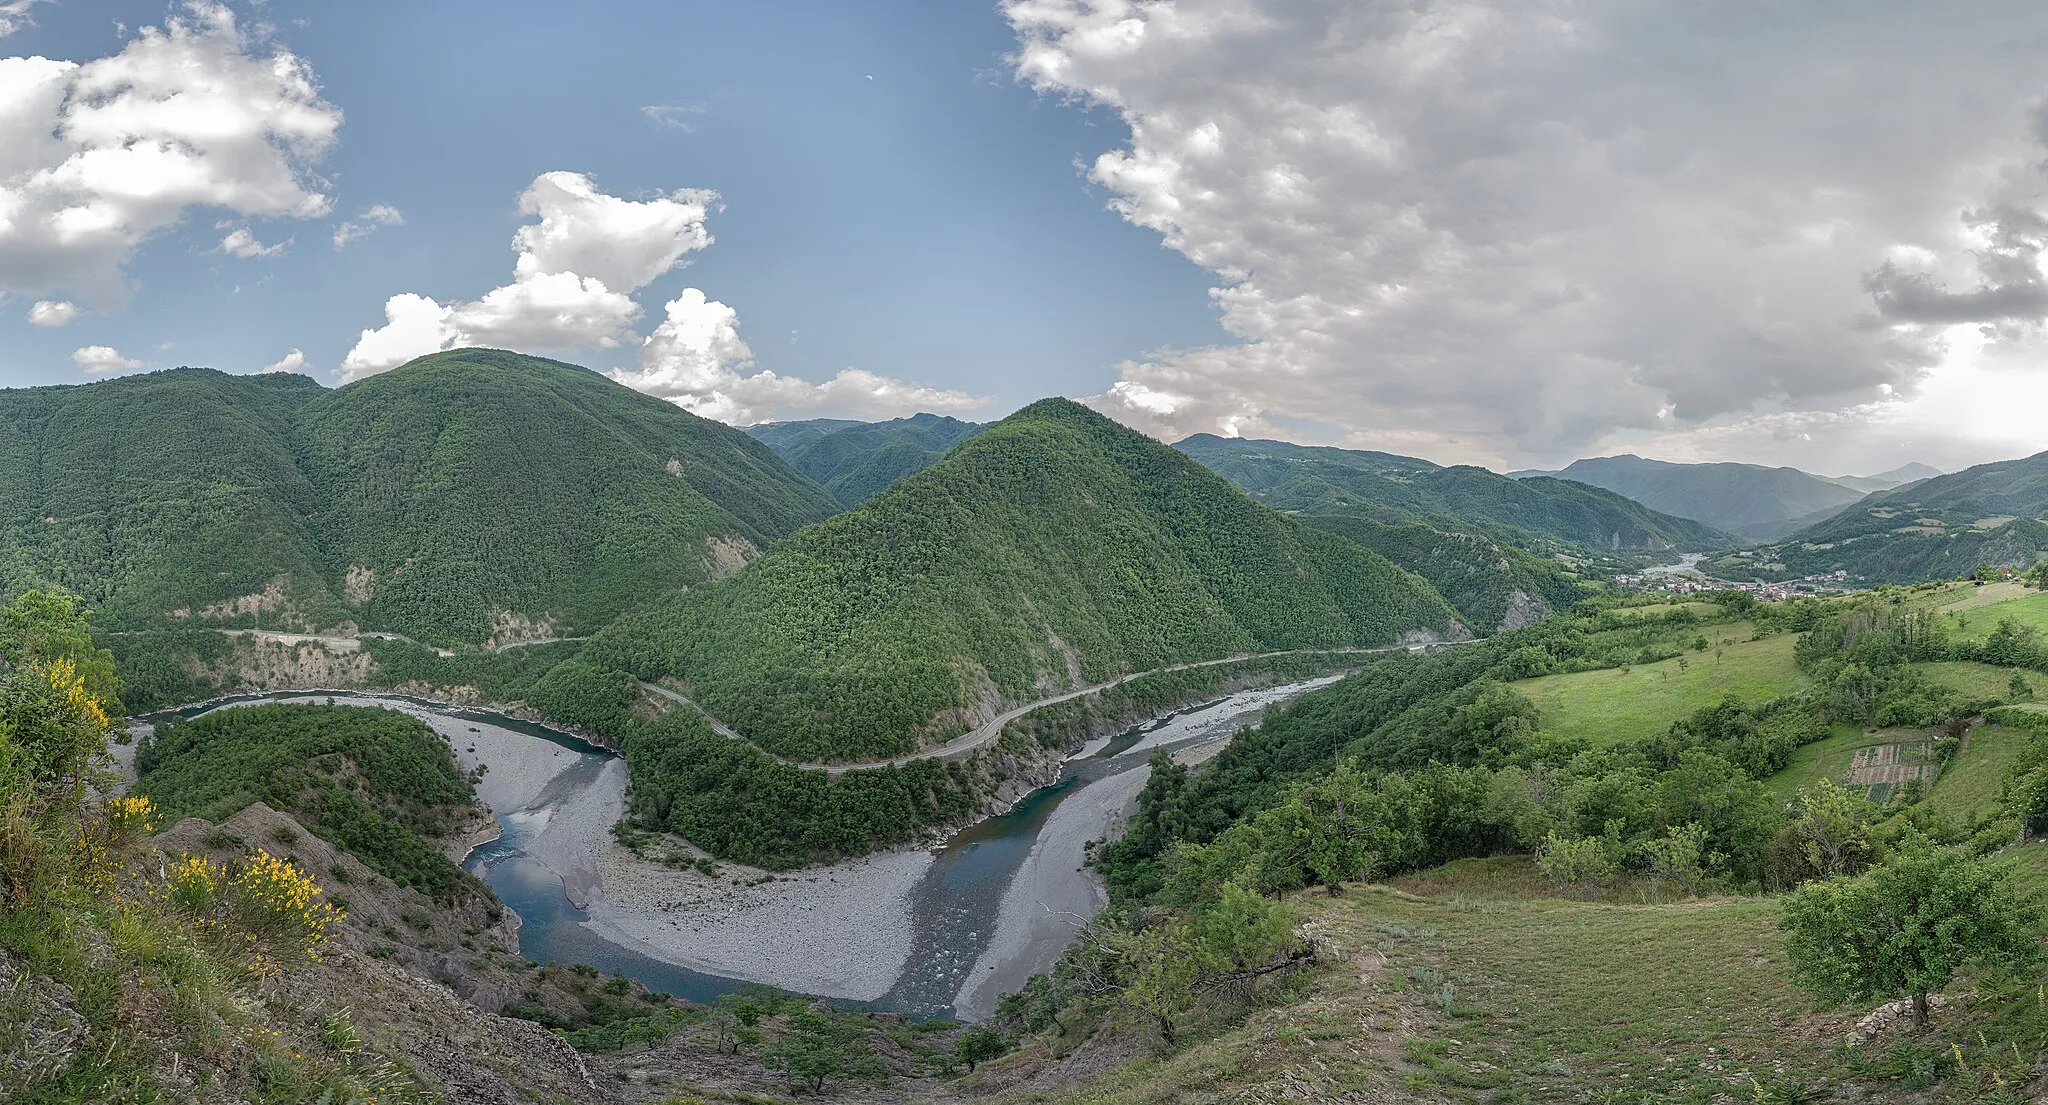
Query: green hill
pixel 1938 528
pixel 461 496
pixel 1493 585
pixel 854 460
pixel 1388 488
pixel 1054 550
pixel 1748 500
pixel 160 495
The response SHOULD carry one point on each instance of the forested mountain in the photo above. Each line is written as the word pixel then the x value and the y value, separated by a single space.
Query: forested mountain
pixel 160 495
pixel 461 496
pixel 1938 528
pixel 1054 550
pixel 1748 500
pixel 1393 489
pixel 856 459
pixel 1492 585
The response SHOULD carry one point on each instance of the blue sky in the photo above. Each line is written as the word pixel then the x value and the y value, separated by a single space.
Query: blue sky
pixel 893 199
pixel 1485 231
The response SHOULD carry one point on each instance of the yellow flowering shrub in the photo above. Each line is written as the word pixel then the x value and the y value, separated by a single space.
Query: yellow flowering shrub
pixel 79 703
pixel 133 816
pixel 195 882
pixel 275 906
pixel 274 899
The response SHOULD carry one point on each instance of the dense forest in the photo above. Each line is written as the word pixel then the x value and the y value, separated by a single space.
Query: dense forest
pixel 1492 584
pixel 465 495
pixel 1053 550
pixel 375 783
pixel 1534 513
pixel 855 460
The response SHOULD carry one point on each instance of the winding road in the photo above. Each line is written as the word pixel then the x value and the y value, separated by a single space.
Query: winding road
pixel 966 743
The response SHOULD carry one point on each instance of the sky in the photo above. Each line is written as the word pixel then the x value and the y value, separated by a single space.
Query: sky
pixel 1503 232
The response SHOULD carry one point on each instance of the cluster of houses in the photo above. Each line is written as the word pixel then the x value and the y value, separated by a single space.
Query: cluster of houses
pixel 1818 584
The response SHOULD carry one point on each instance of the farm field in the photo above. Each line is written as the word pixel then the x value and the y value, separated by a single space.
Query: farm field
pixel 1641 701
pixel 1832 758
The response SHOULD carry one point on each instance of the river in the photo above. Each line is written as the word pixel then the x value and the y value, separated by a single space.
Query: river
pixel 938 934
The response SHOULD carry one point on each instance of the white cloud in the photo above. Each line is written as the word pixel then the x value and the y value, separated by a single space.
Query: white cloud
pixel 623 243
pixel 673 116
pixel 294 361
pixel 14 16
pixel 578 265
pixel 1496 230
pixel 572 282
pixel 95 359
pixel 97 157
pixel 696 358
pixel 52 313
pixel 241 242
pixel 382 214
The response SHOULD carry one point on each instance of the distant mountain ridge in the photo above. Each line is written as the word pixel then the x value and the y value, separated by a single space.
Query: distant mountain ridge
pixel 1392 489
pixel 854 460
pixel 1938 528
pixel 466 496
pixel 1747 500
pixel 1052 550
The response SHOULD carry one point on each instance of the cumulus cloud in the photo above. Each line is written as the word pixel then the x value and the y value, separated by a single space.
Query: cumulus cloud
pixel 294 361
pixel 241 242
pixel 52 313
pixel 696 358
pixel 97 157
pixel 382 214
pixel 14 15
pixel 578 264
pixel 96 359
pixel 1530 228
pixel 577 267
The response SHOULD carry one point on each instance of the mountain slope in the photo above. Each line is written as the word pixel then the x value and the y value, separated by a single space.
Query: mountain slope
pixel 1748 500
pixel 1938 528
pixel 854 460
pixel 168 492
pixel 470 491
pixel 461 496
pixel 1393 489
pixel 1493 586
pixel 1054 550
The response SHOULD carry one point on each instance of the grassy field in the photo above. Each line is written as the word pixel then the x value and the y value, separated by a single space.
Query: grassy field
pixel 1982 681
pixel 1642 701
pixel 1969 788
pixel 1463 995
pixel 1975 621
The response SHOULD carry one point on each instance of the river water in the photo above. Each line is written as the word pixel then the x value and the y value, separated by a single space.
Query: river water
pixel 985 915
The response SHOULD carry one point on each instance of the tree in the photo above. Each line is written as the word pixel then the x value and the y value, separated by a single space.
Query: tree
pixel 1159 966
pixel 1832 826
pixel 1678 856
pixel 818 1046
pixel 1905 927
pixel 978 1045
pixel 1574 862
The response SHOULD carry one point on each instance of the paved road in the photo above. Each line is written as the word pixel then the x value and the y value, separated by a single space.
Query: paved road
pixel 965 744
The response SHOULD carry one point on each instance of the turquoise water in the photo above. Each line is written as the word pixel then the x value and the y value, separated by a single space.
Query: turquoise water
pixel 954 906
